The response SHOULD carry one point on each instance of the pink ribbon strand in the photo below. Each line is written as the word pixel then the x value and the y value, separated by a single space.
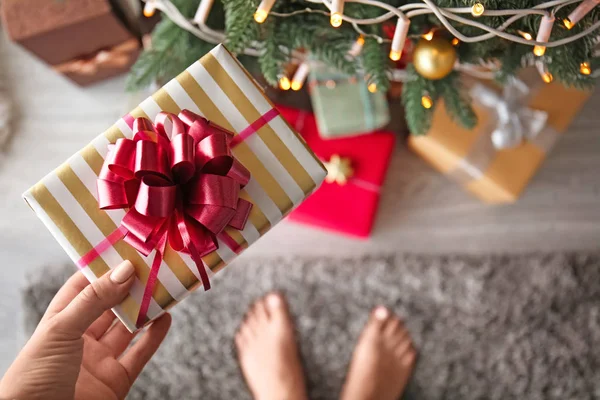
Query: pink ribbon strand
pixel 255 126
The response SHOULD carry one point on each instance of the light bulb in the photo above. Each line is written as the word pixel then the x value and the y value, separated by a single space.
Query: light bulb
pixel 336 20
pixel 543 71
pixel 568 23
pixel 426 102
pixel 581 11
pixel 260 16
pixel 526 35
pixel 543 34
pixel 372 87
pixel 357 46
pixel 585 68
pixel 428 35
pixel 477 10
pixel 262 12
pixel 284 83
pixel 300 76
pixel 399 38
pixel 149 9
pixel 337 11
pixel 539 50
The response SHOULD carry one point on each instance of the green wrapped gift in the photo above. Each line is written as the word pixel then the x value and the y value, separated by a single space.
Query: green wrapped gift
pixel 343 104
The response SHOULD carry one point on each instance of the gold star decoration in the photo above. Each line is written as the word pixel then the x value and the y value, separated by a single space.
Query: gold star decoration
pixel 339 170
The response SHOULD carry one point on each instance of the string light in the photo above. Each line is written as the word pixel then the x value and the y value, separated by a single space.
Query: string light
pixel 428 35
pixel 455 42
pixel 149 9
pixel 543 34
pixel 577 14
pixel 585 68
pixel 372 87
pixel 526 35
pixel 337 10
pixel 477 10
pixel 357 46
pixel 300 76
pixel 544 73
pixel 203 11
pixel 262 12
pixel 284 83
pixel 568 23
pixel 399 38
pixel 426 101
pixel 336 20
pixel 445 18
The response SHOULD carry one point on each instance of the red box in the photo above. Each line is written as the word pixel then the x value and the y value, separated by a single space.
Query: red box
pixel 351 208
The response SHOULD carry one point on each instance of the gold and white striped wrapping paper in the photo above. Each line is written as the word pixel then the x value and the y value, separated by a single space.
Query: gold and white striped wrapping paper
pixel 284 172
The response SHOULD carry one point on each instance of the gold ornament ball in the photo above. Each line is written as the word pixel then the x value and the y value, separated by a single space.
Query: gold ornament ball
pixel 434 59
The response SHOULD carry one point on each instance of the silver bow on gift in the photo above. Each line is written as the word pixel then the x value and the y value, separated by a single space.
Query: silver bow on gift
pixel 516 122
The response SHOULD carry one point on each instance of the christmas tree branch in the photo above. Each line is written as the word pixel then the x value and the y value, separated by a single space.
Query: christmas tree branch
pixel 418 118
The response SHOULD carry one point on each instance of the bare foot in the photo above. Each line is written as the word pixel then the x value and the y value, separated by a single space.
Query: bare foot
pixel 268 352
pixel 383 360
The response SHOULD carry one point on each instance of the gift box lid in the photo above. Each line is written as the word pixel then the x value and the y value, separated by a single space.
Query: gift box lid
pixel 348 208
pixel 57 31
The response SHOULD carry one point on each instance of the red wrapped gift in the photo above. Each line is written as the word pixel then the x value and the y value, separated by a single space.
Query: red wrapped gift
pixel 349 207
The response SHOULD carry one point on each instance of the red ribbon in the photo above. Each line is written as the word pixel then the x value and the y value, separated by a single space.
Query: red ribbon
pixel 181 185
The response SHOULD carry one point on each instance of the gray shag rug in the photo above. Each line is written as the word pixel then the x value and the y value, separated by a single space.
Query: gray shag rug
pixel 497 327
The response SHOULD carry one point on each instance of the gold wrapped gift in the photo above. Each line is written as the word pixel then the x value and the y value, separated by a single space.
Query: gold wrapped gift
pixel 493 161
pixel 283 173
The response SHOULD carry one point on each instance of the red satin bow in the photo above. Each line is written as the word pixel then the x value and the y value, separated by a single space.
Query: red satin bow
pixel 181 185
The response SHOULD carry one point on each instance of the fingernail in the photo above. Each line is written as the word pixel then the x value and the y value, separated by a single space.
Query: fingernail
pixel 273 300
pixel 122 272
pixel 381 313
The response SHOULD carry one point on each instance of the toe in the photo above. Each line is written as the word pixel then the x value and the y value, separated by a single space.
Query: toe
pixel 404 347
pixel 253 326
pixel 240 340
pixel 276 306
pixel 253 317
pixel 379 318
pixel 249 327
pixel 260 310
pixel 393 328
pixel 394 332
pixel 408 359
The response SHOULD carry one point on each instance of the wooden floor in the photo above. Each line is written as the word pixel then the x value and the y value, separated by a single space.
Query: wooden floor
pixel 421 211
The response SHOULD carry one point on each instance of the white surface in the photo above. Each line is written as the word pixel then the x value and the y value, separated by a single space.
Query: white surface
pixel 421 211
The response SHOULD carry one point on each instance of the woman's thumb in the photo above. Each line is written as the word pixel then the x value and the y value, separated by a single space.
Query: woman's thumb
pixel 97 297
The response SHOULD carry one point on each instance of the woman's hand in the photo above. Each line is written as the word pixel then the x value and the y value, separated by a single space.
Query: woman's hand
pixel 76 351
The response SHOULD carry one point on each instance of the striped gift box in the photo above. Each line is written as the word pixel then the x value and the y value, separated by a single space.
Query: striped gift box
pixel 284 172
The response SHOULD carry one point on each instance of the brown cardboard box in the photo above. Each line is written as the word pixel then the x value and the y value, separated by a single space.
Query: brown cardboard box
pixel 103 64
pixel 60 32
pixel 469 156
